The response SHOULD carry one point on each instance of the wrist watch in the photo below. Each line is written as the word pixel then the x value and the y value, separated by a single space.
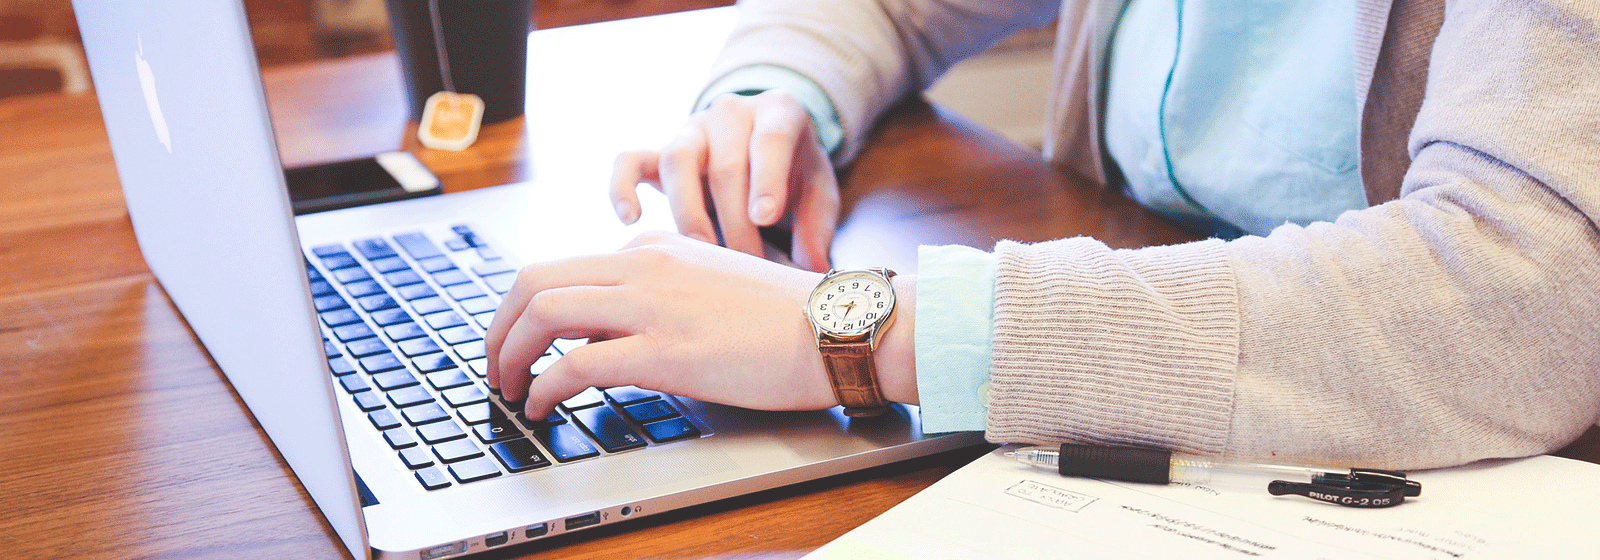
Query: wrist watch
pixel 849 310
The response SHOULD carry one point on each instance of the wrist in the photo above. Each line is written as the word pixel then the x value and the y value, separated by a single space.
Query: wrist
pixel 895 357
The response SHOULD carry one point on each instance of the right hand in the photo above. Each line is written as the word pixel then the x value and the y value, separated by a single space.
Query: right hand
pixel 758 159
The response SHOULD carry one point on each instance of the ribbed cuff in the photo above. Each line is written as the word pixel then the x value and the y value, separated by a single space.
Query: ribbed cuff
pixel 755 79
pixel 1115 347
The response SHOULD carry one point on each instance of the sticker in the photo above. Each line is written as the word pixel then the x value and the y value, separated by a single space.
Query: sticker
pixel 450 121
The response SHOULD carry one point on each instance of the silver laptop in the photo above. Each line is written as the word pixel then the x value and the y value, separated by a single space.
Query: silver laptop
pixel 354 336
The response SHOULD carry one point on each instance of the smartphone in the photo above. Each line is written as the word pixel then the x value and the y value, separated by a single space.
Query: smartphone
pixel 370 180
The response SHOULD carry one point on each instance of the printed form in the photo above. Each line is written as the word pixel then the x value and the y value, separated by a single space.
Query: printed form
pixel 1539 507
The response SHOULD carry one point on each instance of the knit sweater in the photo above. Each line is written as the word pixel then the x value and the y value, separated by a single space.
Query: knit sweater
pixel 1451 321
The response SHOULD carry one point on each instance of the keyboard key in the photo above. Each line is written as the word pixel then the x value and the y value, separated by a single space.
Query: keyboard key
pixel 479 368
pixel 432 478
pixel 391 317
pixel 377 302
pixel 348 333
pixel 425 414
pixel 483 320
pixel 500 283
pixel 565 345
pixel 339 260
pixel 366 347
pixel 400 278
pixel 649 411
pixel 448 379
pixel 543 363
pixel 329 303
pixel 439 432
pixel 491 268
pixel 458 450
pixel 478 305
pixel 389 264
pixel 551 420
pixel 462 396
pixel 496 429
pixel 589 397
pixel 399 438
pixel 608 429
pixel 321 288
pixel 354 384
pixel 341 366
pixel 430 363
pixel 475 469
pixel 479 413
pixel 374 248
pixel 488 254
pixel 417 347
pixel 464 292
pixel 381 363
pixel 416 292
pixel 327 250
pixel 519 455
pixel 417 245
pixel 416 458
pixel 329 349
pixel 340 317
pixel 368 401
pixel 392 380
pixel 670 430
pixel 629 394
pixel 410 396
pixel 349 275
pixel 404 331
pixel 436 264
pixel 471 350
pixel 383 419
pixel 565 442
pixel 430 306
pixel 363 288
pixel 458 335
pixel 451 277
pixel 445 320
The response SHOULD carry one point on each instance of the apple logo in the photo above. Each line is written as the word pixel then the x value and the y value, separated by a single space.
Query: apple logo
pixel 147 81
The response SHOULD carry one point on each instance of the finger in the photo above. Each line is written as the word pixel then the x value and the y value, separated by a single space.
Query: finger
pixel 775 138
pixel 608 363
pixel 682 164
pixel 575 312
pixel 606 269
pixel 630 169
pixel 816 215
pixel 728 177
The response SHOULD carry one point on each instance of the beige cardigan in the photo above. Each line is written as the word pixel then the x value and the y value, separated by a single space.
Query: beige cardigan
pixel 1453 320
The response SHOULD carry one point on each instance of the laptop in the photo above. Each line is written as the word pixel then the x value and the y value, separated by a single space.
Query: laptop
pixel 354 336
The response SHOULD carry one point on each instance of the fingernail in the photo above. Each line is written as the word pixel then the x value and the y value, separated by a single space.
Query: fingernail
pixel 625 213
pixel 762 209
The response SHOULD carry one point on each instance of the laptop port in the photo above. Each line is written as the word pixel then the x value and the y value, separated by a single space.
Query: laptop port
pixel 496 539
pixel 537 531
pixel 585 520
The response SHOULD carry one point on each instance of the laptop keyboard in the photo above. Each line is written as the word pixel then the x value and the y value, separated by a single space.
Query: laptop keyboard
pixel 403 321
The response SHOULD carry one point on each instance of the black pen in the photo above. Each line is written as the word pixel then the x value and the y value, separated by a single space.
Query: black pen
pixel 1362 488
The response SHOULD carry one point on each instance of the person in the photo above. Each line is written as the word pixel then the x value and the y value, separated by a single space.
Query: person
pixel 1401 197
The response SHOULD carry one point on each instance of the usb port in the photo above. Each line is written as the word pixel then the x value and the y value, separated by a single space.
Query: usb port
pixel 585 520
pixel 496 539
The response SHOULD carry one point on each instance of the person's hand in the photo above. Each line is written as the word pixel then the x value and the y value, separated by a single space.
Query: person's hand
pixel 759 161
pixel 666 313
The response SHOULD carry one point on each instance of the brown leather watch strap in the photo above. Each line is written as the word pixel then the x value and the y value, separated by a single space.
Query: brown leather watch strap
pixel 855 380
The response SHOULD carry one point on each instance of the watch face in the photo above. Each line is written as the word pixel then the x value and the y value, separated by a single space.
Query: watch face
pixel 851 303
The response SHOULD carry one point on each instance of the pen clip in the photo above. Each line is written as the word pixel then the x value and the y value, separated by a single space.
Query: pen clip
pixel 1360 488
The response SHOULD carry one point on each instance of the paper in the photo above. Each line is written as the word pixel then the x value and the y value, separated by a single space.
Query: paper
pixel 1540 507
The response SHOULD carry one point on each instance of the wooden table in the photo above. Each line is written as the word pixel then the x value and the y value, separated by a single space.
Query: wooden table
pixel 119 438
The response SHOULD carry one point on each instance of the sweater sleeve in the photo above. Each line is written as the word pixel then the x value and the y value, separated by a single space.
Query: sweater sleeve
pixel 1454 324
pixel 868 54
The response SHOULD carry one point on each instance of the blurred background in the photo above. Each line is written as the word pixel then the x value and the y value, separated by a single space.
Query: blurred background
pixel 40 52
